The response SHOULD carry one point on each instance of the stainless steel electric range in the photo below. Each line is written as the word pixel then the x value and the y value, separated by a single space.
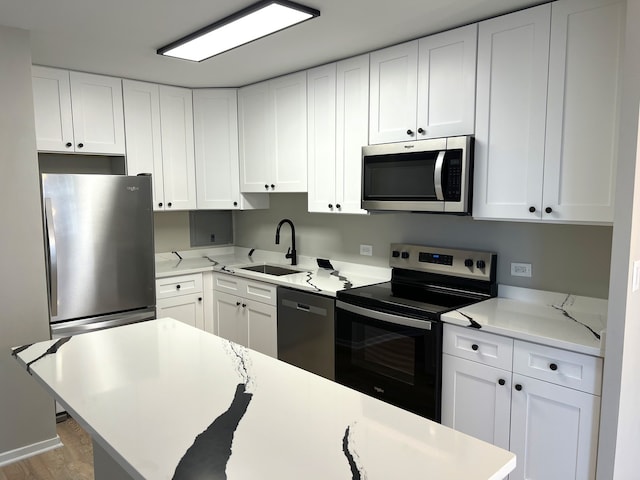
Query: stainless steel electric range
pixel 389 336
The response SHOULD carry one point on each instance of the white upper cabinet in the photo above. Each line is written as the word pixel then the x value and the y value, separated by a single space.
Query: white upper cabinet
pixel 216 148
pixel 337 112
pixel 160 141
pixel 546 122
pixel 582 110
pixel 424 88
pixel 78 112
pixel 273 135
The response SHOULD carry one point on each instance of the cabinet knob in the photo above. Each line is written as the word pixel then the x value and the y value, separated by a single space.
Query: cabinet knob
pixel 502 381
pixel 548 209
pixel 266 187
pixel 160 204
pixel 235 204
pixel 237 304
pixel 474 347
pixel 532 209
pixel 80 145
pixel 169 204
pixel 330 205
pixel 553 367
pixel 177 287
pixel 338 205
pixel 410 132
pixel 199 299
pixel 421 131
pixel 273 186
pixel 68 144
pixel 244 305
pixel 518 387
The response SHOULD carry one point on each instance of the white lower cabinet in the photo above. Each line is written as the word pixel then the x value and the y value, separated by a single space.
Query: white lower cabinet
pixel 245 312
pixel 185 308
pixel 541 403
pixel 182 297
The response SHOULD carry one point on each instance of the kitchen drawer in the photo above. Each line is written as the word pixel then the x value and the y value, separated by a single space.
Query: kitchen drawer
pixel 575 370
pixel 180 285
pixel 246 288
pixel 472 344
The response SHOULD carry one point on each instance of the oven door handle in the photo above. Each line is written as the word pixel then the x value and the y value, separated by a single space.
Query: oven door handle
pixel 384 317
pixel 437 176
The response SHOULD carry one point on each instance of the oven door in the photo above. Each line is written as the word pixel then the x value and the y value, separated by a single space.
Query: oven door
pixel 396 359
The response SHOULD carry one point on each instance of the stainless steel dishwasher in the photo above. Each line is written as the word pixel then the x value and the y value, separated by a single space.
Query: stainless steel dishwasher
pixel 306 331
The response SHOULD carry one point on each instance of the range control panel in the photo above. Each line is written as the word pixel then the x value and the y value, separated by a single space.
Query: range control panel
pixel 459 263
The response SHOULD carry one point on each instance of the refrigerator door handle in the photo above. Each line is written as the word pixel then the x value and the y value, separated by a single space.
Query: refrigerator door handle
pixel 53 257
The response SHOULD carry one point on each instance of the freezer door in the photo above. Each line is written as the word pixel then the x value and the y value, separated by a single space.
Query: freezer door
pixel 99 235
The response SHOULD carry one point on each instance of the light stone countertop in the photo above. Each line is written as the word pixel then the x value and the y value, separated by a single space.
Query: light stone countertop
pixel 166 400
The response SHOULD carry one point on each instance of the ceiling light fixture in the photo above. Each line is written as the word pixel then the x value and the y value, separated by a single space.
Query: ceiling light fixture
pixel 249 24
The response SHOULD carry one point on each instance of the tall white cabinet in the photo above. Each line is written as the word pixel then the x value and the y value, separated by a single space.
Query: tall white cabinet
pixel 541 403
pixel 77 112
pixel 546 124
pixel 215 114
pixel 272 123
pixel 424 88
pixel 159 130
pixel 338 120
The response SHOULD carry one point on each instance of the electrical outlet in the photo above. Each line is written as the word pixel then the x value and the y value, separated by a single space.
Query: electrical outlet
pixel 366 250
pixel 521 269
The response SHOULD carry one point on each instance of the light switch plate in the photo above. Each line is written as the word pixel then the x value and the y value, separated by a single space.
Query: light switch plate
pixel 521 269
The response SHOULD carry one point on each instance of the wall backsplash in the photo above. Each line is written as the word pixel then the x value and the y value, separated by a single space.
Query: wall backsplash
pixel 564 258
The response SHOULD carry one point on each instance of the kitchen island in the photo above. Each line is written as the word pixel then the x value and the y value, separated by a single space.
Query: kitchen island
pixel 165 400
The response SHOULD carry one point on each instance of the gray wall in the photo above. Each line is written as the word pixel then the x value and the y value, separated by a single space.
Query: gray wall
pixel 26 411
pixel 564 258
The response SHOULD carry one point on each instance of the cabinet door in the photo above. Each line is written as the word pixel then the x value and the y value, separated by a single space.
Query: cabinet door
pixel 142 128
pixel 256 133
pixel 476 399
pixel 52 108
pixel 447 83
pixel 263 327
pixel 188 309
pixel 98 118
pixel 289 109
pixel 554 431
pixel 582 110
pixel 394 90
pixel 232 323
pixel 352 130
pixel 178 162
pixel 321 115
pixel 513 53
pixel 216 147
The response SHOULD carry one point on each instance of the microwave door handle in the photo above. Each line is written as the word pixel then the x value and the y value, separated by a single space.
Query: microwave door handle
pixel 53 256
pixel 437 176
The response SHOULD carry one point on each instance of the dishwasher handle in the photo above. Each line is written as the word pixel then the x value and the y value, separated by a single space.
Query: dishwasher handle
pixel 301 307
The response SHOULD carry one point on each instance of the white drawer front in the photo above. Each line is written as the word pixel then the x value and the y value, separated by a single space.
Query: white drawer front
pixel 478 346
pixel 570 369
pixel 228 283
pixel 180 285
pixel 261 292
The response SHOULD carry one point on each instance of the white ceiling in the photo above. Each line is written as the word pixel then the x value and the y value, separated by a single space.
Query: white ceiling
pixel 120 37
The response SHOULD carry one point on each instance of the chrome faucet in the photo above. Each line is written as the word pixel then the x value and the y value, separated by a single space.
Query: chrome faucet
pixel 291 252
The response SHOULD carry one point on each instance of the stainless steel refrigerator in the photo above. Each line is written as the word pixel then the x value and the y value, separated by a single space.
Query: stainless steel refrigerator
pixel 100 253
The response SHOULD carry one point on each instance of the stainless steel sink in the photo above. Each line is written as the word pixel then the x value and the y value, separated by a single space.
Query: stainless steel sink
pixel 271 269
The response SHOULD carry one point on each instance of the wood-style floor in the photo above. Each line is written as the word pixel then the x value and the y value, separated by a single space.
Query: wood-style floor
pixel 74 461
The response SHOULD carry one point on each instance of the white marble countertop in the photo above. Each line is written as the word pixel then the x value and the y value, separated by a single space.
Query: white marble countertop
pixel 311 277
pixel 539 317
pixel 155 395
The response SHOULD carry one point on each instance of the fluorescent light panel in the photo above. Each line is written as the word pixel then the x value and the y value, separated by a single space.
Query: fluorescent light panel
pixel 256 21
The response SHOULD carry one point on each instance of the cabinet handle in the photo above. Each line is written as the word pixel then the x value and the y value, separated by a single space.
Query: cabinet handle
pixel 244 305
pixel 273 186
pixel 199 299
pixel 410 132
pixel 68 144
pixel 169 204
pixel 235 204
pixel 474 347
pixel 266 187
pixel 502 381
pixel 553 367
pixel 177 287
pixel 238 304
pixel 338 205
pixel 80 145
pixel 330 205
pixel 421 131
pixel 518 387
pixel 548 209
pixel 532 209
pixel 160 204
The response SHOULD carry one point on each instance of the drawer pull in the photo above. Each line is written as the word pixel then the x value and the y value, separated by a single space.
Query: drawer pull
pixel 474 347
pixel 244 305
pixel 237 304
pixel 177 287
pixel 518 387
pixel 553 367
pixel 502 381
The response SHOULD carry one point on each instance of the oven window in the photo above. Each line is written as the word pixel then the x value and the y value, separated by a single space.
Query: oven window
pixel 387 353
pixel 400 177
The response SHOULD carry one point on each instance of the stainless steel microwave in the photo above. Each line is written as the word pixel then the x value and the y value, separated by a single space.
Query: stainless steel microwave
pixel 423 176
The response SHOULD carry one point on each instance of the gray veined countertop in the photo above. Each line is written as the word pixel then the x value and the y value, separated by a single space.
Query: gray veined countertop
pixel 167 400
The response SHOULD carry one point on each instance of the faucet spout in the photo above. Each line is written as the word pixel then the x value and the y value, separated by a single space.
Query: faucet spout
pixel 291 252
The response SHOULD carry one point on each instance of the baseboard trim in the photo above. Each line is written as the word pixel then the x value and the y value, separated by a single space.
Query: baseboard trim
pixel 29 451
